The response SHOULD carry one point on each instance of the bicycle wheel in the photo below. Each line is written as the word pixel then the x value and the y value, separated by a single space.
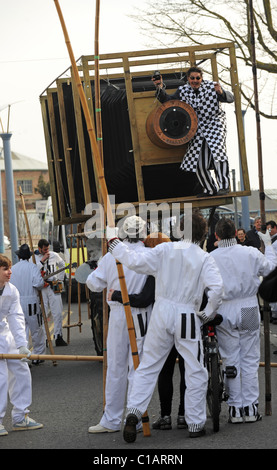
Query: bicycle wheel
pixel 213 392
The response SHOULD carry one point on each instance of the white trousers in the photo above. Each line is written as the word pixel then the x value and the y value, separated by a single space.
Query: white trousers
pixel 34 325
pixel 120 370
pixel 15 382
pixel 239 343
pixel 172 324
pixel 53 302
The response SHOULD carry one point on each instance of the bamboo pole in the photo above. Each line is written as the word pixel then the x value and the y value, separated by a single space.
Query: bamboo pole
pixel 69 286
pixel 104 193
pixel 79 285
pixel 268 407
pixel 34 261
pixel 50 357
pixel 100 147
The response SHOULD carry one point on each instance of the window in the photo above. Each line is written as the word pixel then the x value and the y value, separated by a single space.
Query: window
pixel 26 186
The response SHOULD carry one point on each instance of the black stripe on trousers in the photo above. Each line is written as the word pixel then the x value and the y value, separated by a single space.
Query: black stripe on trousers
pixel 143 329
pixel 32 311
pixel 184 326
pixel 221 170
pixel 202 171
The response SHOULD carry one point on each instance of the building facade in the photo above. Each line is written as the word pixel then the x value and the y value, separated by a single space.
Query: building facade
pixel 26 174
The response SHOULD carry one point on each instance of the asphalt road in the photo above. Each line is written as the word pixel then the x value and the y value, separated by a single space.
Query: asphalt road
pixel 68 398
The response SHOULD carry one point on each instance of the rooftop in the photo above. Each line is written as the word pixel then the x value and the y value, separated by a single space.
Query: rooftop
pixel 22 162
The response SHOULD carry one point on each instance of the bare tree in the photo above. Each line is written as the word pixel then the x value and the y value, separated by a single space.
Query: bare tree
pixel 188 22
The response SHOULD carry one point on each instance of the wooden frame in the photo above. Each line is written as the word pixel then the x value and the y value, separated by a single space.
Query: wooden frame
pixel 128 66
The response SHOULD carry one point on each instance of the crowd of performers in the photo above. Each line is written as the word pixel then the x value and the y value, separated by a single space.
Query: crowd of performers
pixel 174 288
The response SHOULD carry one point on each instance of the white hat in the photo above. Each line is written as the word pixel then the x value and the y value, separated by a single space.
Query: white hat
pixel 133 225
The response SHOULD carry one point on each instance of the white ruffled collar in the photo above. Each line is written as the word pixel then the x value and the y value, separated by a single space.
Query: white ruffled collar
pixel 227 242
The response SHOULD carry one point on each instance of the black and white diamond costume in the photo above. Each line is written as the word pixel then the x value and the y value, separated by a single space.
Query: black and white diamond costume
pixel 207 149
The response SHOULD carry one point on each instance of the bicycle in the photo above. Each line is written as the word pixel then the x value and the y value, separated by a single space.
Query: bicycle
pixel 216 392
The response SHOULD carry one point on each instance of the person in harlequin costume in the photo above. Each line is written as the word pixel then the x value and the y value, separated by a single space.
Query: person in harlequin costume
pixel 207 149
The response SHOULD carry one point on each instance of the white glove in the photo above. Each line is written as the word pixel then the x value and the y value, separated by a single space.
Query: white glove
pixel 111 232
pixel 203 317
pixel 23 350
pixel 265 237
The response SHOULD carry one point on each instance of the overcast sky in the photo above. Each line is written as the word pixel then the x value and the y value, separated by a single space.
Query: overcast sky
pixel 33 53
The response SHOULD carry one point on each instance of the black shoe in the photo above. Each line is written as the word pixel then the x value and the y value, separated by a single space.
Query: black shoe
pixel 60 341
pixel 162 423
pixel 130 431
pixel 206 194
pixel 181 422
pixel 275 352
pixel 36 362
pixel 200 433
pixel 221 192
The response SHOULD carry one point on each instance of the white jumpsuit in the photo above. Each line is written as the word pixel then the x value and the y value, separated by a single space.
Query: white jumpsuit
pixel 119 357
pixel 27 278
pixel 182 271
pixel 239 333
pixel 273 305
pixel 15 377
pixel 51 300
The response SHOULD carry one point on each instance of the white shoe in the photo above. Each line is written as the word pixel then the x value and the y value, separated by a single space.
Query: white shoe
pixel 235 415
pixel 100 429
pixel 27 424
pixel 3 431
pixel 252 418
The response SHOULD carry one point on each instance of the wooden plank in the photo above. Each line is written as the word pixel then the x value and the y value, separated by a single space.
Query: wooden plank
pixel 239 119
pixel 89 98
pixel 67 149
pixel 81 143
pixel 165 51
pixel 150 154
pixel 56 156
pixel 134 129
pixel 49 154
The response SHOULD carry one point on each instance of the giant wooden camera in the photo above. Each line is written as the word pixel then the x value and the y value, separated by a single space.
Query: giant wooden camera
pixel 142 143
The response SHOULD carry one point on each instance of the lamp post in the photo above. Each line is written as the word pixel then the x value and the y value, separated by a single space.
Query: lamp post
pixel 2 245
pixel 6 137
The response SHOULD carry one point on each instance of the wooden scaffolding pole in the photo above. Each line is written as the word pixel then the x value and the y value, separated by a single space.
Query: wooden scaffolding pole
pixel 34 261
pixel 99 138
pixel 266 315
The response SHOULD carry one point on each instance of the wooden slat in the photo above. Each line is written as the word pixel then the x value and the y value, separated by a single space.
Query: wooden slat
pixel 49 154
pixel 134 128
pixel 56 156
pixel 239 120
pixel 66 148
pixel 81 142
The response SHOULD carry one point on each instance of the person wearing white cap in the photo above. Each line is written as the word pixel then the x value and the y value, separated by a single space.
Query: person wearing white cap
pixel 120 367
